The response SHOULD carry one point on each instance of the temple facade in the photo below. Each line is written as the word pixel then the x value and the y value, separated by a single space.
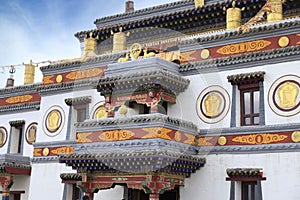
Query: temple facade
pixel 196 99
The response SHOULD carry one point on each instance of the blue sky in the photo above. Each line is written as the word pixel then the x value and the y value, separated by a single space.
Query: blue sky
pixel 44 29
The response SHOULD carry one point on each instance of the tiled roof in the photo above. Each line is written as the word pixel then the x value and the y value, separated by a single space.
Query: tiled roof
pixel 135 161
pixel 167 80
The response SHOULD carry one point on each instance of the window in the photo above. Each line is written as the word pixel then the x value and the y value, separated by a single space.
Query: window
pixel 248 190
pixel 245 183
pixel 251 95
pixel 80 114
pixel 16 137
pixel 76 194
pixel 249 100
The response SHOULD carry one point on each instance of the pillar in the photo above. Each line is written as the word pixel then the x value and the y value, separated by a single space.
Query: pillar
pixel 275 13
pixel 6 183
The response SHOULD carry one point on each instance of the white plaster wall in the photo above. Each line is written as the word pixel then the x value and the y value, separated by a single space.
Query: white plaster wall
pixel 29 117
pixel 280 169
pixel 185 107
pixel 115 193
pixel 46 182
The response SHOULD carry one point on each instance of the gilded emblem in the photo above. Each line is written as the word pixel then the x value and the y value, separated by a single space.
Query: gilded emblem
pixel 83 137
pixel 284 95
pixel 53 120
pixel 213 104
pixel 3 136
pixel 31 133
pixel 288 93
pixel 101 113
pixel 135 50
pixel 296 136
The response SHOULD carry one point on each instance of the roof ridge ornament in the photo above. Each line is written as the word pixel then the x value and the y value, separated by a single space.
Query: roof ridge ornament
pixel 273 8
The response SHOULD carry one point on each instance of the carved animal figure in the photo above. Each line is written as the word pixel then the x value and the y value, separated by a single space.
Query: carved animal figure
pixel 148 55
pixel 124 59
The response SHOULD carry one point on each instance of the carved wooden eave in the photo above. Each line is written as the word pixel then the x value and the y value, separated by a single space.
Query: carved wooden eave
pixel 245 174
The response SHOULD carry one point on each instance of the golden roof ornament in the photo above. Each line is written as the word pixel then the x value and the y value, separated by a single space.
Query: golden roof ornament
pixel 233 16
pixel 199 3
pixel 119 40
pixel 271 6
pixel 90 45
pixel 29 73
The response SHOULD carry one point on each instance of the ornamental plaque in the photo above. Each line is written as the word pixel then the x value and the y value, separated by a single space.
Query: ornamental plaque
pixel 53 121
pixel 284 96
pixel 212 104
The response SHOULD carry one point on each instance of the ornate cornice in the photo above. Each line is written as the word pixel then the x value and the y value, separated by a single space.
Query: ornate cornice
pixel 244 77
pixel 23 89
pixel 233 172
pixel 167 80
pixel 78 100
pixel 68 86
pixel 20 108
pixel 17 123
pixel 149 120
pixel 239 61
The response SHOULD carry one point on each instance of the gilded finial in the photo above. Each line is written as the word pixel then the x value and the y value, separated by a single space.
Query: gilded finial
pixel 29 72
pixel 233 16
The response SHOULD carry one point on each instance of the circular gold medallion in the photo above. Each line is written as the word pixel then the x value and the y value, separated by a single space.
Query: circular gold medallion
pixel 59 78
pixel 296 136
pixel 205 54
pixel 135 50
pixel 283 41
pixel 46 151
pixel 222 140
